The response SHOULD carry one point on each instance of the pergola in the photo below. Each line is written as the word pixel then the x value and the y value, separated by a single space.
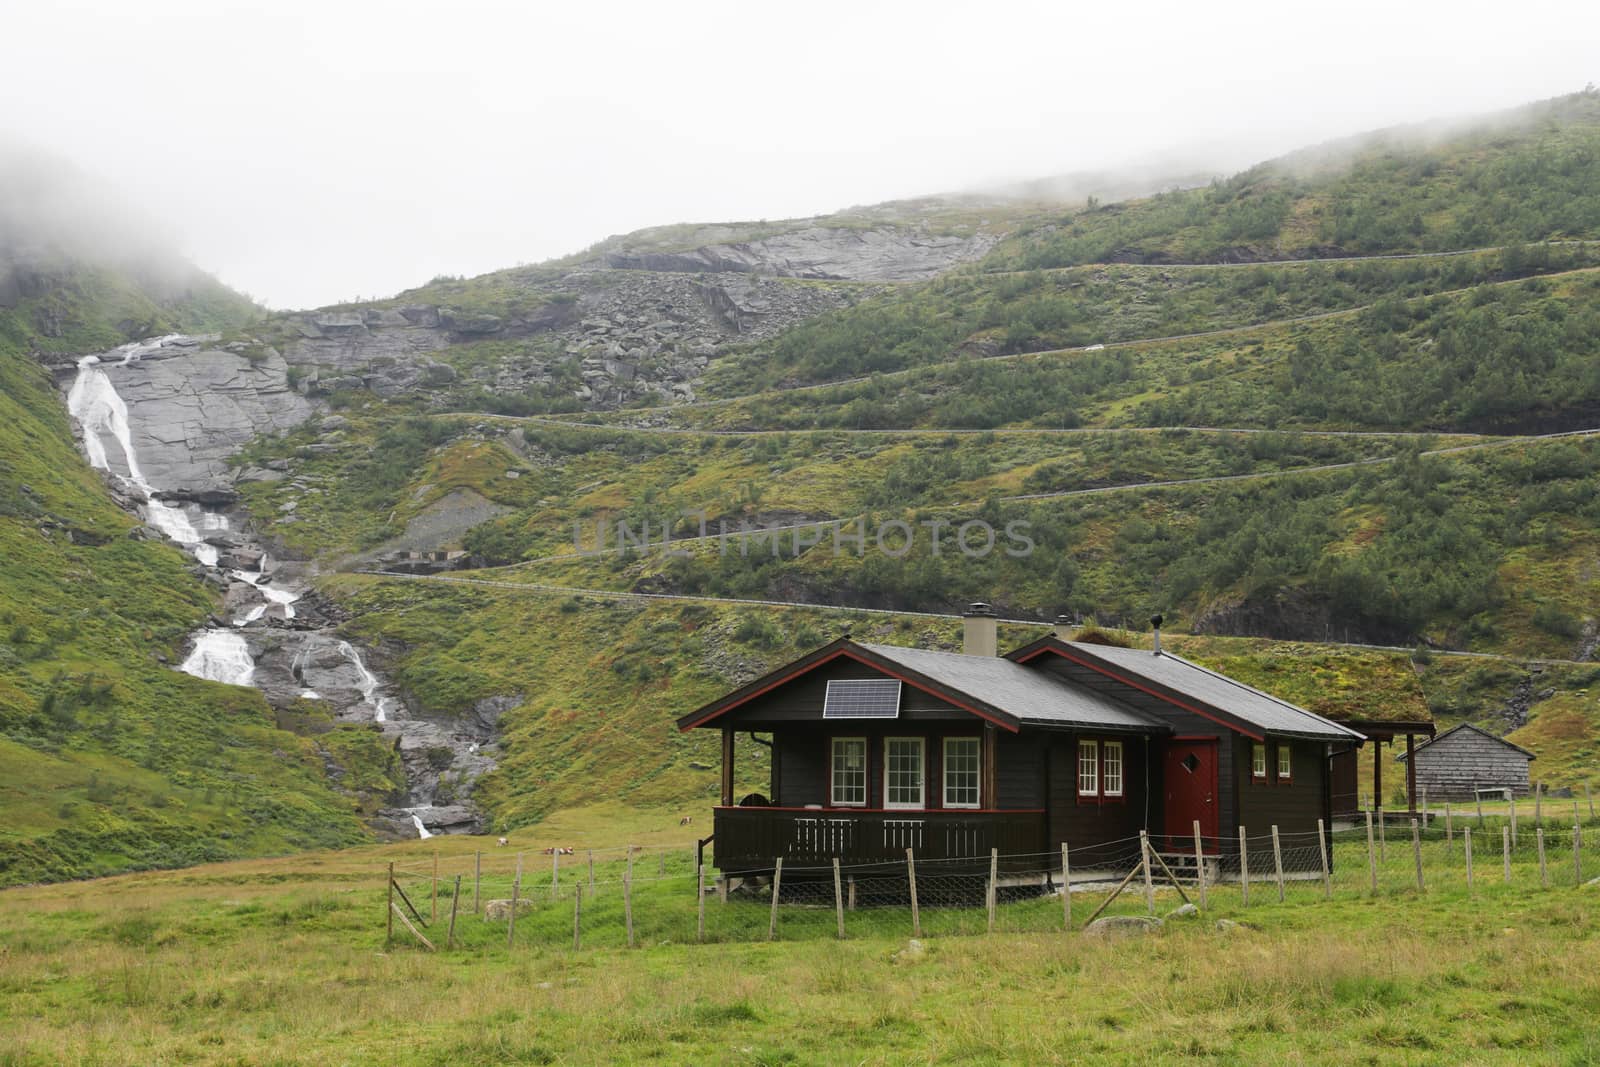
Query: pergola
pixel 1380 731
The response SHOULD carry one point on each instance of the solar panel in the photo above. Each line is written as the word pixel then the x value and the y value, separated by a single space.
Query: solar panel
pixel 862 698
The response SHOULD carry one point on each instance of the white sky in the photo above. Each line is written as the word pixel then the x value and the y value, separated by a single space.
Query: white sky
pixel 314 152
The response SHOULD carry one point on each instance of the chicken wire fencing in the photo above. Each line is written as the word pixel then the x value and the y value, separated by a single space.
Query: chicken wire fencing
pixel 623 897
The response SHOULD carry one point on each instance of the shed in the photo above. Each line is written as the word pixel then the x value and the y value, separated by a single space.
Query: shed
pixel 1464 759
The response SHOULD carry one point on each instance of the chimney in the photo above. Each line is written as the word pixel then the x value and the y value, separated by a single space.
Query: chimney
pixel 979 631
pixel 1155 624
pixel 1063 628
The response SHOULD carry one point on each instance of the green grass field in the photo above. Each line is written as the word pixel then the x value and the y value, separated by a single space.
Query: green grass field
pixel 284 961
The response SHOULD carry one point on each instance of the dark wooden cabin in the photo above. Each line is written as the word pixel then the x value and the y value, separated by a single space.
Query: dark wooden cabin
pixel 878 748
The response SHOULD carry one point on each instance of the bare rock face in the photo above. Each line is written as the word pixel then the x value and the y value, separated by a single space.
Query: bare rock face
pixel 880 254
pixel 192 405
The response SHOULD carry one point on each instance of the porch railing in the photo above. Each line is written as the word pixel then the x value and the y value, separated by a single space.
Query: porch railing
pixel 752 838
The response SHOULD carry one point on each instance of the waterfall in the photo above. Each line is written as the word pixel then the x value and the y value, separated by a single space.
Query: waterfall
pixel 221 656
pixel 368 684
pixel 422 831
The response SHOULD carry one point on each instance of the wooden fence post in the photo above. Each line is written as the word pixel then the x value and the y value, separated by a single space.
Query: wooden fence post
pixel 1466 843
pixel 477 881
pixel 1505 848
pixel 1277 861
pixel 700 901
pixel 777 891
pixel 1383 836
pixel 1449 832
pixel 1372 857
pixel 1149 881
pixel 911 880
pixel 1538 804
pixel 1544 876
pixel 627 899
pixel 519 868
pixel 1416 853
pixel 433 895
pixel 1199 864
pixel 388 932
pixel 555 872
pixel 450 938
pixel 511 921
pixel 1424 805
pixel 1322 850
pixel 1477 798
pixel 577 915
pixel 994 884
pixel 850 893
pixel 1513 794
pixel 1577 854
pixel 1066 888
pixel 1244 870
pixel 838 898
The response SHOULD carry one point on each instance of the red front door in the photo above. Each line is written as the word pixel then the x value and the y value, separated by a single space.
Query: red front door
pixel 1191 785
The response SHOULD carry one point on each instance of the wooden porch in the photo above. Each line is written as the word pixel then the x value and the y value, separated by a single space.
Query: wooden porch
pixel 750 839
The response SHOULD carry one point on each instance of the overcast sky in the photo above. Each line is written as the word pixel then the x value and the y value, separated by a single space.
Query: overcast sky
pixel 314 152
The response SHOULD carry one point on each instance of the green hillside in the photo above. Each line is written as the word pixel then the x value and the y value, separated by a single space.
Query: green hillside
pixel 110 760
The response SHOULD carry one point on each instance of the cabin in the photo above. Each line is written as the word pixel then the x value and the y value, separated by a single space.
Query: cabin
pixel 878 748
pixel 1464 759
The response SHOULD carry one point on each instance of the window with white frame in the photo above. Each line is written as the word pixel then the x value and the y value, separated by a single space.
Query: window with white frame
pixel 902 779
pixel 1111 769
pixel 1258 760
pixel 1285 762
pixel 849 772
pixel 961 776
pixel 1088 768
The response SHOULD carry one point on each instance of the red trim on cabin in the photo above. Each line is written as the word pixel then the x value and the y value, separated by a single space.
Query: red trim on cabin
pixel 1114 676
pixel 849 654
pixel 891 811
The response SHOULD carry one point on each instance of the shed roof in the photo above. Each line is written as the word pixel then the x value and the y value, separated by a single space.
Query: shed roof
pixel 1248 705
pixel 1477 730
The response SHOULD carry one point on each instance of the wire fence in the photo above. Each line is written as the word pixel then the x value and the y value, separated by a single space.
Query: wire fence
pixel 618 897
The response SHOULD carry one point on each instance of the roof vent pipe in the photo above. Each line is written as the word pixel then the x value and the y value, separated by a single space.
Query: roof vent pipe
pixel 1063 628
pixel 979 631
pixel 1155 624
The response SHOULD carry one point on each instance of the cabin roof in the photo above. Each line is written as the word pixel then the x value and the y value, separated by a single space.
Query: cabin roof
pixel 993 688
pixel 1475 729
pixel 1031 696
pixel 1250 706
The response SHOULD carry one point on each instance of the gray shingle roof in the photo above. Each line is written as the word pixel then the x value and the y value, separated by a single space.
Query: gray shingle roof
pixel 1249 705
pixel 1030 695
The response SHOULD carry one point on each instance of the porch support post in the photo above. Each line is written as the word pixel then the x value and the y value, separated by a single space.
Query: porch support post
pixel 1411 772
pixel 1377 772
pixel 991 739
pixel 727 766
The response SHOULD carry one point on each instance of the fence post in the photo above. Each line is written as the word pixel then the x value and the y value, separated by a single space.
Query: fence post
pixel 911 879
pixel 838 898
pixel 477 881
pixel 700 901
pixel 577 915
pixel 433 895
pixel 1322 850
pixel 1416 853
pixel 1544 876
pixel 1149 881
pixel 388 930
pixel 450 938
pixel 1466 842
pixel 850 893
pixel 627 899
pixel 1538 804
pixel 1372 858
pixel 994 883
pixel 1383 836
pixel 1277 861
pixel 1505 848
pixel 519 868
pixel 1513 794
pixel 1577 854
pixel 1449 831
pixel 555 872
pixel 1199 864
pixel 777 891
pixel 1424 805
pixel 1244 870
pixel 1477 798
pixel 511 920
pixel 1066 888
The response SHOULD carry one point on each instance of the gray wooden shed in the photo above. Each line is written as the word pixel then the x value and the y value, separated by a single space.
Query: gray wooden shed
pixel 1464 759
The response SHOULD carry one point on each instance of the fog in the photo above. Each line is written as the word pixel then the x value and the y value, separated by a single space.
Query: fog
pixel 315 152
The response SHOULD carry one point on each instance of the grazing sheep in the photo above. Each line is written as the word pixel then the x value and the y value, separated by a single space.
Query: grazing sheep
pixel 503 842
pixel 686 820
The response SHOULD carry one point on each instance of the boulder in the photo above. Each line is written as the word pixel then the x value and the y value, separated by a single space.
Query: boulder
pixel 1123 926
pixel 499 911
pixel 1187 911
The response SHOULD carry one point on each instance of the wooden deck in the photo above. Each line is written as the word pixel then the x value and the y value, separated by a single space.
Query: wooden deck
pixel 751 839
